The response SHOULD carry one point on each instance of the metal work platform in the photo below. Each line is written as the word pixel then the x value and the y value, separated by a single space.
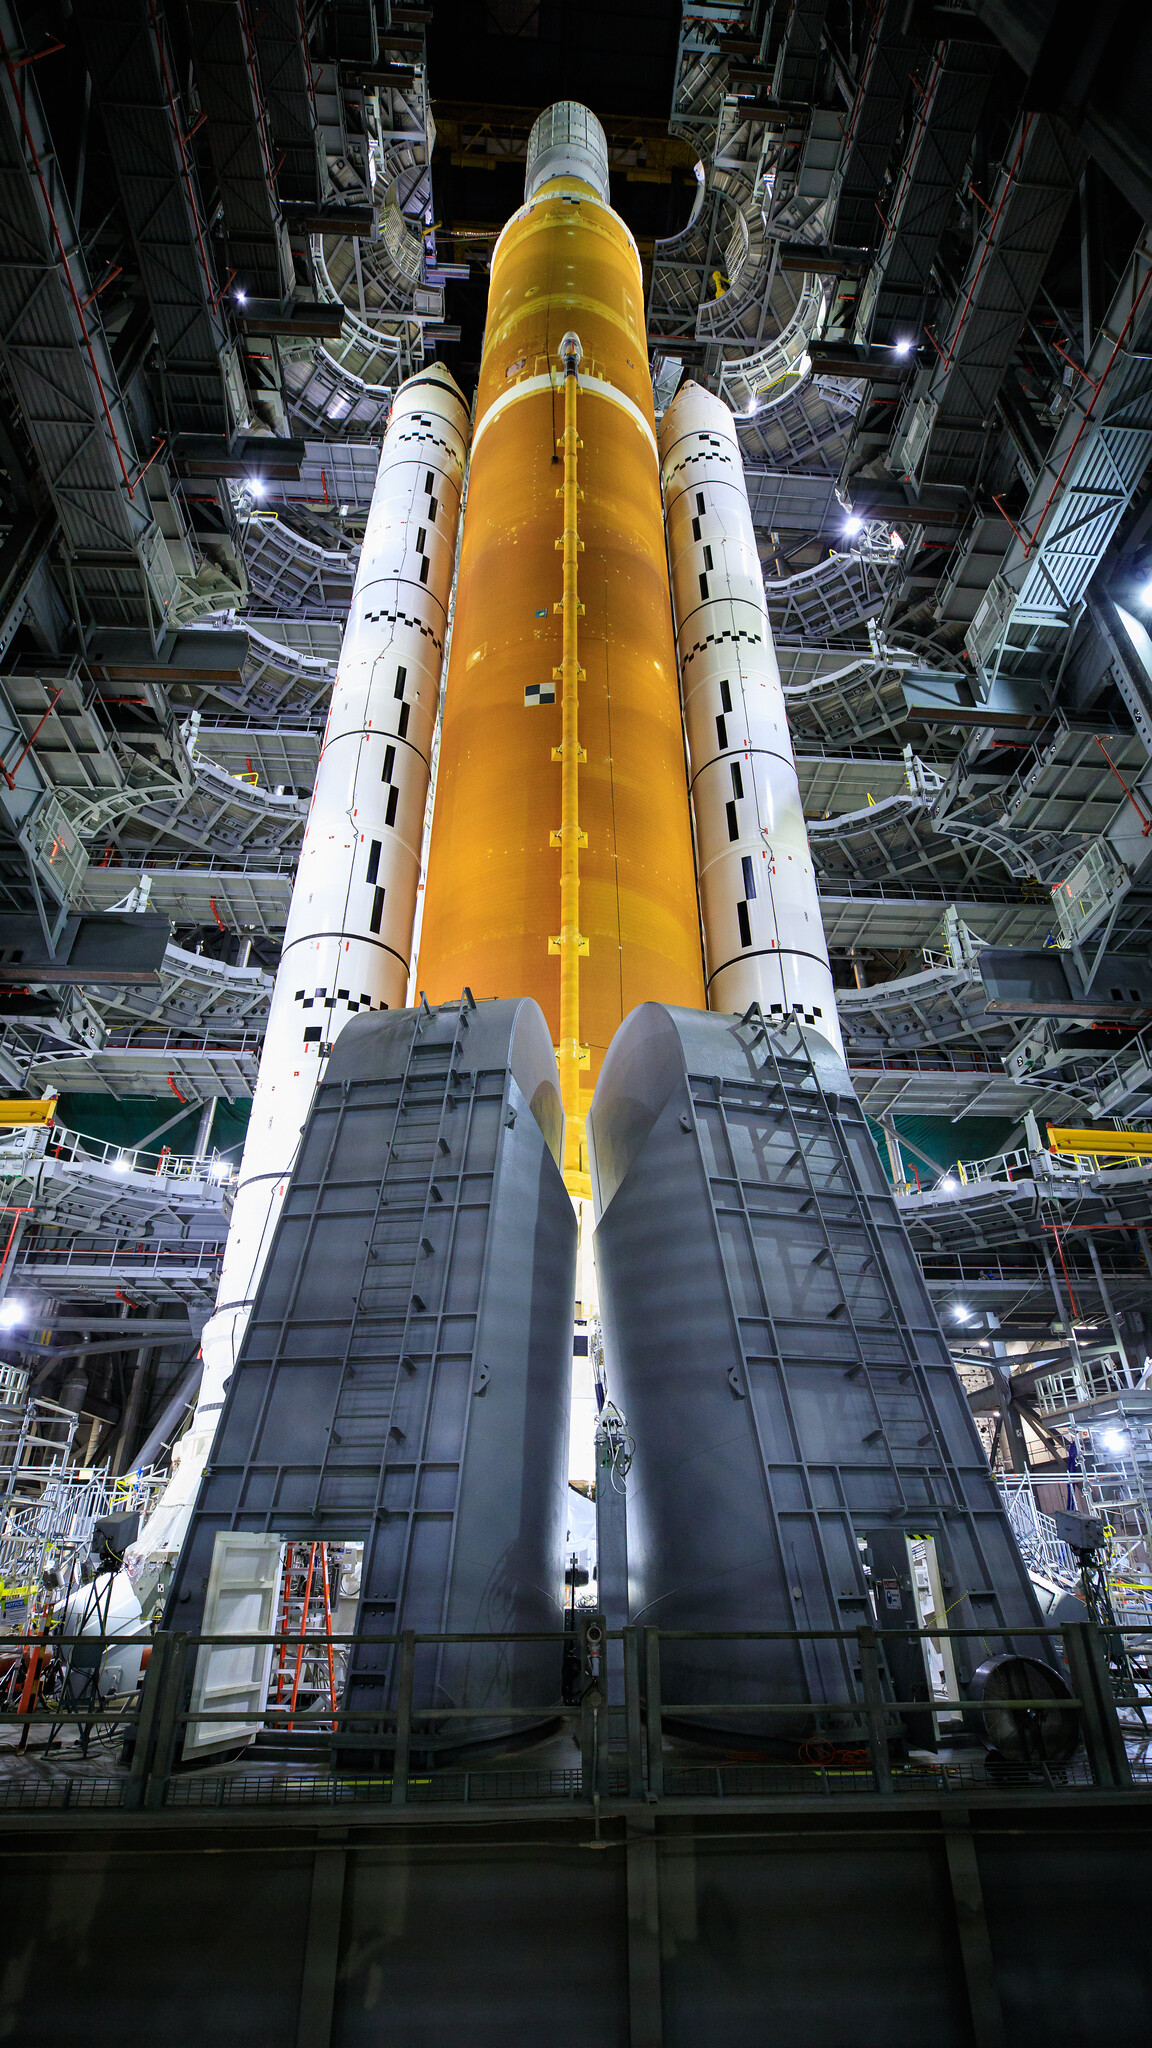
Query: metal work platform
pixel 201 892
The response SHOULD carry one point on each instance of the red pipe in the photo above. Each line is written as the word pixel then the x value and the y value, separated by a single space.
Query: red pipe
pixel 257 98
pixel 1067 1282
pixel 1133 799
pixel 10 773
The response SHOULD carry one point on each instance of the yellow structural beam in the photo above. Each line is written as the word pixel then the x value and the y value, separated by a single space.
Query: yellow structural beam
pixel 570 943
pixel 1101 1144
pixel 20 1110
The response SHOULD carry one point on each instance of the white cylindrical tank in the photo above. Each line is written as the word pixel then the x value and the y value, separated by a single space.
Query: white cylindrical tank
pixel 348 940
pixel 763 932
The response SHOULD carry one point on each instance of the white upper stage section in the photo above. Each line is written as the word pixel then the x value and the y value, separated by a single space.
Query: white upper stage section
pixel 567 142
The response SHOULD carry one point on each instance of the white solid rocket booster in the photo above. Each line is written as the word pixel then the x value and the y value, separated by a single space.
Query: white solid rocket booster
pixel 348 940
pixel 763 932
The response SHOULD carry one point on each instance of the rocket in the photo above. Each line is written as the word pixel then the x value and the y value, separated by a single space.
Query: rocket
pixel 616 818
pixel 562 745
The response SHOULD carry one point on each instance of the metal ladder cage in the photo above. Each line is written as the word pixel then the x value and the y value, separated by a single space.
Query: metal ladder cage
pixel 404 1378
pixel 770 1338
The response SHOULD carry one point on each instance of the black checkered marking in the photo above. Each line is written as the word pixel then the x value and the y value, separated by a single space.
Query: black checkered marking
pixel 314 1034
pixel 713 447
pixel 436 440
pixel 719 640
pixel 342 1000
pixel 539 693
pixel 797 1010
pixel 399 618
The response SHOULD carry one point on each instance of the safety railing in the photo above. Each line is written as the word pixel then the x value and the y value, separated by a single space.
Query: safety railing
pixel 1122 1074
pixel 1024 1165
pixel 750 382
pixel 212 1169
pixel 1060 1738
pixel 181 1257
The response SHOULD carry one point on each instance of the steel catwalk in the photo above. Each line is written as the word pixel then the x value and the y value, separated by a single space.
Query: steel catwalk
pixel 565 265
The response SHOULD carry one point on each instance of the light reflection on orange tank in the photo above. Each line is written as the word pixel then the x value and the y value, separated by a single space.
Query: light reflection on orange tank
pixel 492 899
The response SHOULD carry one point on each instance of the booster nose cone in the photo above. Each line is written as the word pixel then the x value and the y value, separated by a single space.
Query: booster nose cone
pixel 567 142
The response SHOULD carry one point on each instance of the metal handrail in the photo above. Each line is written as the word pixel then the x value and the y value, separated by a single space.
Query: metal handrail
pixel 1023 1165
pixel 212 1169
pixel 154 1722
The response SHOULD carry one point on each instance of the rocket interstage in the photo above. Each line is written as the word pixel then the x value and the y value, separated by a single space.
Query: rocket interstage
pixel 348 940
pixel 763 932
pixel 564 264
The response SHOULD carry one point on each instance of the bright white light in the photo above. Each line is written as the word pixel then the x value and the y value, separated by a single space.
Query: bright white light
pixel 1146 595
pixel 257 486
pixel 1114 1440
pixel 751 406
pixel 10 1312
pixel 962 1315
pixel 240 297
pixel 853 524
pixel 903 347
pixel 947 1183
pixel 220 1169
pixel 123 1164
